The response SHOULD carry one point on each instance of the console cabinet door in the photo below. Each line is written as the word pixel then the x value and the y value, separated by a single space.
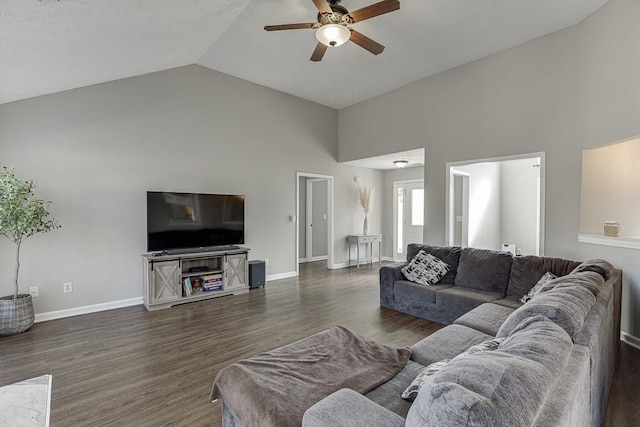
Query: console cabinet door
pixel 165 281
pixel 236 271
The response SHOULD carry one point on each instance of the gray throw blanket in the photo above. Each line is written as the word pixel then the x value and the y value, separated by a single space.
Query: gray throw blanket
pixel 277 387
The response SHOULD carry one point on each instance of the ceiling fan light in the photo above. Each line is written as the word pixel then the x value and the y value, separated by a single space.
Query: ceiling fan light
pixel 333 35
pixel 400 163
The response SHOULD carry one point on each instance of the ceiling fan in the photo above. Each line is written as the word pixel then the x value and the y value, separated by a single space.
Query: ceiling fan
pixel 333 25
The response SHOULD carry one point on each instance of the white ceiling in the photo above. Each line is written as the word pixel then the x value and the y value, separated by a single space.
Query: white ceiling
pixel 50 46
pixel 385 162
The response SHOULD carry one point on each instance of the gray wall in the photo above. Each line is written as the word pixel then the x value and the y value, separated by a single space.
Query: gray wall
pixel 95 151
pixel 391 176
pixel 561 93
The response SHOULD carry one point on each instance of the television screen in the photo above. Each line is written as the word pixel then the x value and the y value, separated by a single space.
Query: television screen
pixel 189 220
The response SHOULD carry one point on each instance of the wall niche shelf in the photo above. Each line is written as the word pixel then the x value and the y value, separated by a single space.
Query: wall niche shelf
pixel 620 242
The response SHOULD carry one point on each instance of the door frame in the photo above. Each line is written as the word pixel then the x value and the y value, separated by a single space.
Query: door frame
pixel 308 229
pixel 394 234
pixel 449 204
pixel 330 205
pixel 465 208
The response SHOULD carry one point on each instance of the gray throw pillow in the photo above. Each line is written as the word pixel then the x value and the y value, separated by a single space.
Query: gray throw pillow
pixel 412 391
pixel 425 269
pixel 546 278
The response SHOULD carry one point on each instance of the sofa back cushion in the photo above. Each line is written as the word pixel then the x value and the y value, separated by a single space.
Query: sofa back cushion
pixel 450 255
pixel 600 266
pixel 527 270
pixel 567 304
pixel 484 269
pixel 505 387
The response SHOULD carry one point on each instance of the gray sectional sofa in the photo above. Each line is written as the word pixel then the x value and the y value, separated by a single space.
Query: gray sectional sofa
pixel 553 366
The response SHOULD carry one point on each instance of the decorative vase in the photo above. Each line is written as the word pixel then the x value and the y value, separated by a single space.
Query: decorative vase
pixel 365 226
pixel 16 315
pixel 611 228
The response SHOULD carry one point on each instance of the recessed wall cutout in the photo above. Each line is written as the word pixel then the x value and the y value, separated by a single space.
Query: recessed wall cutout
pixel 610 196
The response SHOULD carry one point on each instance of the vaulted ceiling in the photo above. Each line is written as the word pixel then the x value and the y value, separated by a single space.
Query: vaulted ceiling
pixel 50 46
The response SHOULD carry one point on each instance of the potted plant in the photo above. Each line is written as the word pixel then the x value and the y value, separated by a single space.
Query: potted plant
pixel 22 215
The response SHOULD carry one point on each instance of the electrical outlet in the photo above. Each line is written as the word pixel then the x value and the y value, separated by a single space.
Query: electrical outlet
pixel 68 287
pixel 266 261
pixel 33 291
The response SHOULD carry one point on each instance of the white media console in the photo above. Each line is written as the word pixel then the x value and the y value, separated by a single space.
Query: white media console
pixel 171 279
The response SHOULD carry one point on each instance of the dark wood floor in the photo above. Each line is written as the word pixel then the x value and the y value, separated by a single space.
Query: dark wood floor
pixel 132 367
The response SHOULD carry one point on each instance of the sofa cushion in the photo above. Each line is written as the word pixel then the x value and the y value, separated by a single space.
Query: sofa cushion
pixel 505 387
pixel 425 269
pixel 485 318
pixel 389 394
pixel 567 306
pixel 448 254
pixel 460 299
pixel 546 278
pixel 511 302
pixel 446 343
pixel 587 279
pixel 408 289
pixel 346 408
pixel 412 391
pixel 484 270
pixel 527 270
pixel 599 266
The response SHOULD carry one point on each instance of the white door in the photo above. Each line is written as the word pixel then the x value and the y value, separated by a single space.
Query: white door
pixel 317 203
pixel 408 218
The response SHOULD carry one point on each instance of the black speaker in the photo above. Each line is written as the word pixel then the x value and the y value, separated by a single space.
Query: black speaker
pixel 257 274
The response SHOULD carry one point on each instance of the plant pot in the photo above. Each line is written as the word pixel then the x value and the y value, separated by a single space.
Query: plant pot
pixel 16 315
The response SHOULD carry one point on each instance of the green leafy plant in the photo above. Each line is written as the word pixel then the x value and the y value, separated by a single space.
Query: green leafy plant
pixel 22 213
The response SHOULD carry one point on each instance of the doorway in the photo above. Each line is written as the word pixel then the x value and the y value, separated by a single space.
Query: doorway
pixel 497 204
pixel 314 217
pixel 312 220
pixel 408 216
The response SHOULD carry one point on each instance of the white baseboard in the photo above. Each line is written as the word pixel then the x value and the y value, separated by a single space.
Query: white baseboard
pixel 76 311
pixel 353 264
pixel 281 276
pixel 313 259
pixel 387 258
pixel 630 339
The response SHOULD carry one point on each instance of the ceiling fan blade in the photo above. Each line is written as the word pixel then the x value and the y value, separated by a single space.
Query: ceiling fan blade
pixel 290 26
pixel 376 9
pixel 366 43
pixel 322 5
pixel 319 52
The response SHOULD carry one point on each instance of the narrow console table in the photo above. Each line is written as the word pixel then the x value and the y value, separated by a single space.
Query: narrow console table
pixel 364 239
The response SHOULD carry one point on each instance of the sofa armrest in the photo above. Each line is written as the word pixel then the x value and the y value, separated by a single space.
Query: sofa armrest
pixel 348 408
pixel 389 274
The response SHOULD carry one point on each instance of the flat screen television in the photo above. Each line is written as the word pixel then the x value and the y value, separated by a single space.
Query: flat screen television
pixel 190 220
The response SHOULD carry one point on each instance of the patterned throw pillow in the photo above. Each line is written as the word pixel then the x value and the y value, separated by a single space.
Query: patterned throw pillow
pixel 546 278
pixel 425 269
pixel 412 391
